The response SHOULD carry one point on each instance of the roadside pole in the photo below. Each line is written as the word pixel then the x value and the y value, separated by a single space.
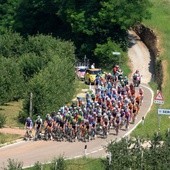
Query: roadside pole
pixel 160 101
pixel 159 119
pixel 85 150
pixel 30 110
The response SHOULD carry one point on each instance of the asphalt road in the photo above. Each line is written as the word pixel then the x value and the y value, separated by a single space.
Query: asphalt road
pixel 29 152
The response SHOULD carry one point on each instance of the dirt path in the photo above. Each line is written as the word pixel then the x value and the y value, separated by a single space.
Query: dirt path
pixel 140 58
pixel 13 131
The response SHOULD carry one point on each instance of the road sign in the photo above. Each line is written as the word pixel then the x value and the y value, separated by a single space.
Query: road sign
pixel 159 98
pixel 164 111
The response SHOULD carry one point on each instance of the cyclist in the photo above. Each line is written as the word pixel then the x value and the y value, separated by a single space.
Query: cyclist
pixel 28 127
pixel 48 126
pixel 136 74
pixel 38 126
pixel 141 95
pixel 137 77
pixel 117 123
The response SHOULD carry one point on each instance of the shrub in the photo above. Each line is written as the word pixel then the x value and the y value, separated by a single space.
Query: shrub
pixel 58 164
pixel 22 116
pixel 14 165
pixel 37 166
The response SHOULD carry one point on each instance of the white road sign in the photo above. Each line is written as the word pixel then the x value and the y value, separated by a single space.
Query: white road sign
pixel 159 98
pixel 158 102
pixel 164 111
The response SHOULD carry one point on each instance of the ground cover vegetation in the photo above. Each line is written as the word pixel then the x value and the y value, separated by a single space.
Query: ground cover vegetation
pixel 160 24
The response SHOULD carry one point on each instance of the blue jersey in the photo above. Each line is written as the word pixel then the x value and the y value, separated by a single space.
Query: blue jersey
pixel 29 123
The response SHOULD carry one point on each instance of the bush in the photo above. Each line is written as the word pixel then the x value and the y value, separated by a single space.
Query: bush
pixel 14 165
pixel 52 87
pixel 58 164
pixel 2 120
pixel 22 116
pixel 37 166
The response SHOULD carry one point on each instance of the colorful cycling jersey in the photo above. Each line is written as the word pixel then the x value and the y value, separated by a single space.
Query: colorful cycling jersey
pixel 49 121
pixel 29 123
pixel 38 122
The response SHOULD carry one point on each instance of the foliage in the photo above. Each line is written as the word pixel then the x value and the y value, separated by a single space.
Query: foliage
pixel 2 120
pixel 11 80
pixel 37 166
pixel 22 116
pixel 58 164
pixel 11 44
pixel 24 61
pixel 105 53
pixel 39 50
pixel 14 165
pixel 76 164
pixel 7 14
pixel 52 87
pixel 86 23
pixel 132 154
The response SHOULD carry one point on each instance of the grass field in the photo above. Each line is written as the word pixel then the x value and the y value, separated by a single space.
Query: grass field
pixel 160 23
pixel 5 138
pixel 77 164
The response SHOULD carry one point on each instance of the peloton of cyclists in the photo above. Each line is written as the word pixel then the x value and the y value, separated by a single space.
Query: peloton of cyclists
pixel 111 105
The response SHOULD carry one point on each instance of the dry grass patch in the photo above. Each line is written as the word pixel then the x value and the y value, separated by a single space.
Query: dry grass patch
pixel 11 111
pixel 8 138
pixel 165 72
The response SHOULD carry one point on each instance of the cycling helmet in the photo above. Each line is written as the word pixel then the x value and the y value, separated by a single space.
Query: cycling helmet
pixel 28 118
pixel 38 117
pixel 48 115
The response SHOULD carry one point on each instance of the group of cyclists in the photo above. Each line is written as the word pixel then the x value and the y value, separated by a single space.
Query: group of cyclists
pixel 113 103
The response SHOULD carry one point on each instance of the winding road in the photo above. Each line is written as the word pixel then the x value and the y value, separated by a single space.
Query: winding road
pixel 43 151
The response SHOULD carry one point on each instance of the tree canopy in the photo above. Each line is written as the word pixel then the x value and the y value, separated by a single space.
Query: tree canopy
pixel 39 40
pixel 39 64
pixel 86 23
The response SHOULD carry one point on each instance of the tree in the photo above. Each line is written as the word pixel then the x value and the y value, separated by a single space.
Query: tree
pixel 104 53
pixel 52 87
pixel 86 23
pixel 11 80
pixel 131 154
pixel 7 14
pixel 11 44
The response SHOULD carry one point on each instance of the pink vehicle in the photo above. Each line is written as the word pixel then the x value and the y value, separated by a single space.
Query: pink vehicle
pixel 80 72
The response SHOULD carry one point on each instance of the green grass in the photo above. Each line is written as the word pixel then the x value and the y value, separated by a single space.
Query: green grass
pixel 77 164
pixel 85 164
pixel 160 23
pixel 11 111
pixel 5 138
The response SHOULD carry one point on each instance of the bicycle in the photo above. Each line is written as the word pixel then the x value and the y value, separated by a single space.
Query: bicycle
pixel 28 134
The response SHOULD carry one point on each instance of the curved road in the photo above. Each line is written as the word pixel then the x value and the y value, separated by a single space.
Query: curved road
pixel 43 151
